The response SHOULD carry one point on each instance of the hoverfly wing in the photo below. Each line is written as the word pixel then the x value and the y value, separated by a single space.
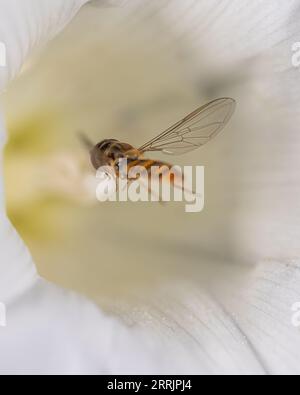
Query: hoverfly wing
pixel 195 130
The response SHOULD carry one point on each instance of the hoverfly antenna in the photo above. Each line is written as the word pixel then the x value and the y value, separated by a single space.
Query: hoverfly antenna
pixel 85 140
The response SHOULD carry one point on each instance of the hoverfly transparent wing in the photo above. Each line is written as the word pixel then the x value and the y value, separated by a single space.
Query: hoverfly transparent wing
pixel 195 130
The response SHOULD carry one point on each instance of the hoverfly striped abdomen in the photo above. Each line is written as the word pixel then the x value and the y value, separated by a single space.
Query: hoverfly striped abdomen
pixel 154 168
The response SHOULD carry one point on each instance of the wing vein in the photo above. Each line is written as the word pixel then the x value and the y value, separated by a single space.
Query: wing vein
pixel 175 140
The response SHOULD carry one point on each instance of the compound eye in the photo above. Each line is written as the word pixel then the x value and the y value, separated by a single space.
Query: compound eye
pixel 100 145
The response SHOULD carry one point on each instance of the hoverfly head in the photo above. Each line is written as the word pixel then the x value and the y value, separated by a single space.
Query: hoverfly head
pixel 99 156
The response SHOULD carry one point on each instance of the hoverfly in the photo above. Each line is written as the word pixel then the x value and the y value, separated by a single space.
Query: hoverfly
pixel 189 134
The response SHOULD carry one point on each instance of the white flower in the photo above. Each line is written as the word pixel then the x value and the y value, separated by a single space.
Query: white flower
pixel 235 307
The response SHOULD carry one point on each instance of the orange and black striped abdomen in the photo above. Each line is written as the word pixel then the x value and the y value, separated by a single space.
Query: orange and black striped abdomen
pixel 161 169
